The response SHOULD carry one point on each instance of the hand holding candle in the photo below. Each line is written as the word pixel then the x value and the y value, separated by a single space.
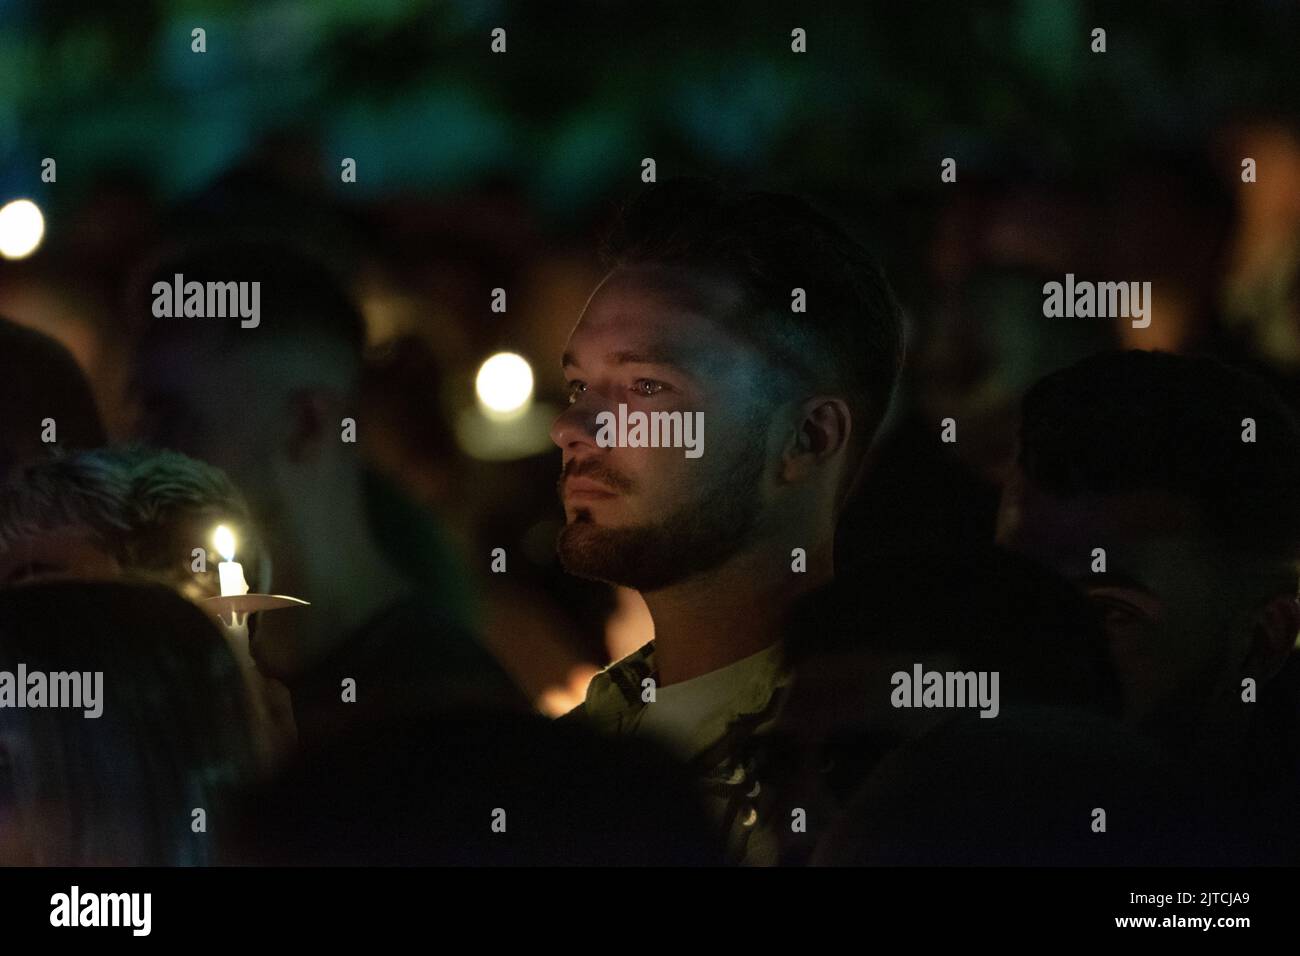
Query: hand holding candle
pixel 235 603
pixel 269 705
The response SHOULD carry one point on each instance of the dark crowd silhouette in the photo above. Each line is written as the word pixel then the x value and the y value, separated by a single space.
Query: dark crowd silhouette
pixel 1042 610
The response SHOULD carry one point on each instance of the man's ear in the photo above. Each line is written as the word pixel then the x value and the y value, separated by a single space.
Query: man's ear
pixel 1272 638
pixel 312 422
pixel 821 432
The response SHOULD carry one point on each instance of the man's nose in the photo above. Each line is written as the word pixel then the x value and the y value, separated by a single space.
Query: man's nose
pixel 576 425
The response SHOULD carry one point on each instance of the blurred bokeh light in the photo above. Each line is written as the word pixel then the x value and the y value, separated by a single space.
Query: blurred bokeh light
pixel 21 228
pixel 505 384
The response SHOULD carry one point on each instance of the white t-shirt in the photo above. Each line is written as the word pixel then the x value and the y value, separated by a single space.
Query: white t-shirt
pixel 689 716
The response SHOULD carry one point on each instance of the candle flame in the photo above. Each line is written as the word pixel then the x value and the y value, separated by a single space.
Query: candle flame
pixel 224 539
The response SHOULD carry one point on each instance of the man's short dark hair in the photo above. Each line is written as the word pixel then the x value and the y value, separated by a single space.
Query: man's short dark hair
pixel 850 340
pixel 1121 422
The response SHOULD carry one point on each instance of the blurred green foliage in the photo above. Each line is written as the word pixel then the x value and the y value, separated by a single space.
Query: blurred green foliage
pixel 588 87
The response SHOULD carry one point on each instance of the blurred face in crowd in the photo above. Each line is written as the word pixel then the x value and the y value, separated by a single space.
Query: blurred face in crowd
pixel 267 411
pixel 1175 608
pixel 63 553
pixel 211 404
pixel 646 517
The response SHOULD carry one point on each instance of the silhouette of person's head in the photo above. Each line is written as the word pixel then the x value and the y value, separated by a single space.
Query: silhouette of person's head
pixel 167 731
pixel 129 512
pixel 1167 488
pixel 41 384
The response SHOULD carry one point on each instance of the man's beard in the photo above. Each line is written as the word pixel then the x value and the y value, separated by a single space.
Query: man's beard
pixel 698 536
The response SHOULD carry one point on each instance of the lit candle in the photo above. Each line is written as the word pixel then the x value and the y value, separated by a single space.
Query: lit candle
pixel 230 570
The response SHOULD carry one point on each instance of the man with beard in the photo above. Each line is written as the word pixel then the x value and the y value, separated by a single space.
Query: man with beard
pixel 765 316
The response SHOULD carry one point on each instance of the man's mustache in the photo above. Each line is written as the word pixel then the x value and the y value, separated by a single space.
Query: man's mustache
pixel 596 471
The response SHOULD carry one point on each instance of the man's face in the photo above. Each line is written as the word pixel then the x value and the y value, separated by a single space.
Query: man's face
pixel 213 406
pixel 646 517
pixel 1175 631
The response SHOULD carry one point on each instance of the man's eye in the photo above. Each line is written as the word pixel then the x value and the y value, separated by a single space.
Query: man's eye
pixel 648 387
pixel 576 388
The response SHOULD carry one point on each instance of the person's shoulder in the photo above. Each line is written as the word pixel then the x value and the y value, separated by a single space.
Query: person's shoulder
pixel 575 716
